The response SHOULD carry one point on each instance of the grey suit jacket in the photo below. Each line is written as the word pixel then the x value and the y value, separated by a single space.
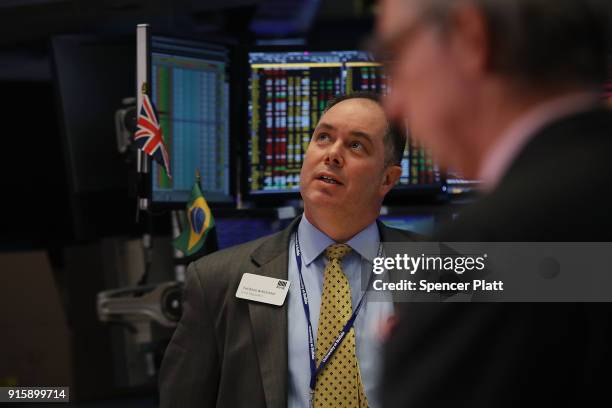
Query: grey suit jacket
pixel 229 352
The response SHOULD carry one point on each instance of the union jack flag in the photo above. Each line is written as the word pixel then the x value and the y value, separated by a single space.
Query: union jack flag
pixel 148 137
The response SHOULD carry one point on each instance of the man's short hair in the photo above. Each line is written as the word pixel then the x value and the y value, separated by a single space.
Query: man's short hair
pixel 541 42
pixel 395 136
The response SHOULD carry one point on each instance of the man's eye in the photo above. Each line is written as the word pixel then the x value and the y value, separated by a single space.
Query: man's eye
pixel 356 145
pixel 322 137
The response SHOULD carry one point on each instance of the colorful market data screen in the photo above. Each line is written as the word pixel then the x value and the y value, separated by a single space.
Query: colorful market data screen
pixel 288 93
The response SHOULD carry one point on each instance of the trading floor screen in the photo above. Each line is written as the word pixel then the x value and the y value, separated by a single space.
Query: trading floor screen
pixel 191 93
pixel 288 93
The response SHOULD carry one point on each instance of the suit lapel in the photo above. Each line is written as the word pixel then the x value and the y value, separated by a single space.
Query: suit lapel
pixel 270 322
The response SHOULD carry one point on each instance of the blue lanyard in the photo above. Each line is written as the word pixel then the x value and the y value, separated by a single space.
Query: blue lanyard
pixel 314 370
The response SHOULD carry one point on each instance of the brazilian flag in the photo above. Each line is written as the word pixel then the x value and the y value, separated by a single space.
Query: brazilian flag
pixel 199 221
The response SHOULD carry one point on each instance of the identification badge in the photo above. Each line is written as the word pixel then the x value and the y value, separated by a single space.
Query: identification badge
pixel 263 289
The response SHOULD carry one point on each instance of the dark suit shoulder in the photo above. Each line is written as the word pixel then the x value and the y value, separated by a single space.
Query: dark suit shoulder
pixel 552 191
pixel 220 273
pixel 225 264
pixel 229 256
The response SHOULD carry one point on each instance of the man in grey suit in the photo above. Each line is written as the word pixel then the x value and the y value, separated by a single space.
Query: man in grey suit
pixel 230 352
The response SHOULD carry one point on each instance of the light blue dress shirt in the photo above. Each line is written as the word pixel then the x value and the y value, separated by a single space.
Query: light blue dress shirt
pixel 367 325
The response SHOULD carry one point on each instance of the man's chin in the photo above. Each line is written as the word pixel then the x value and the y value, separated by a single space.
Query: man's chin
pixel 323 197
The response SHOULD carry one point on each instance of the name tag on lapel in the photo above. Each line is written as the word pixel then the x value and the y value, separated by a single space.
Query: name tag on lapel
pixel 263 289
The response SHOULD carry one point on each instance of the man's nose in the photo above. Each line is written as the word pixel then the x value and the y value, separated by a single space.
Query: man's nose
pixel 333 155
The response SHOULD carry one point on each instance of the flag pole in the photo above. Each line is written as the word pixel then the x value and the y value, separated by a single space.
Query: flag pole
pixel 143 75
pixel 198 178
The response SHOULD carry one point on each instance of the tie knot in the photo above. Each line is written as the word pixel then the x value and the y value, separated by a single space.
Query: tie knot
pixel 337 251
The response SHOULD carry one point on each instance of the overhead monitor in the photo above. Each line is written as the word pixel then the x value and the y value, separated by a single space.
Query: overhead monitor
pixel 288 92
pixel 190 90
pixel 91 80
pixel 91 76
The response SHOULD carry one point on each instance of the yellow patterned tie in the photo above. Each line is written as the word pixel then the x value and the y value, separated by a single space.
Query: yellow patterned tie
pixel 339 384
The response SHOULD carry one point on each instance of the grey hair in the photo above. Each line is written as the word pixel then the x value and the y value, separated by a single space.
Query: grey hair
pixel 540 42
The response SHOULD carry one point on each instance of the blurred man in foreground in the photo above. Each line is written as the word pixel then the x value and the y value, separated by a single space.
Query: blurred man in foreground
pixel 508 92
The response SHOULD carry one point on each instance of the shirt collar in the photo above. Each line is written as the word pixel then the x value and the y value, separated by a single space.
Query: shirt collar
pixel 313 242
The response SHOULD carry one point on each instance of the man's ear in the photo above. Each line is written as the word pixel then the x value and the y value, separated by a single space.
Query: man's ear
pixel 470 40
pixel 390 178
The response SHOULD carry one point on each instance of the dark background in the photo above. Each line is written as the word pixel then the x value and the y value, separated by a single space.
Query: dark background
pixel 68 227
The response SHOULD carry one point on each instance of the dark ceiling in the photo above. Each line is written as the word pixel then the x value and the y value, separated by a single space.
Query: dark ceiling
pixel 25 22
pixel 26 26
